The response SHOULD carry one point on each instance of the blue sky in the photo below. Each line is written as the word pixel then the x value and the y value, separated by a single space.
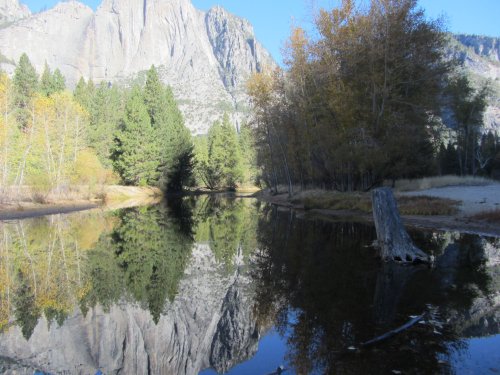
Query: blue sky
pixel 272 19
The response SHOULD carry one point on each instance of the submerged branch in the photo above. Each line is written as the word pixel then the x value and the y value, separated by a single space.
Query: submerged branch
pixel 393 332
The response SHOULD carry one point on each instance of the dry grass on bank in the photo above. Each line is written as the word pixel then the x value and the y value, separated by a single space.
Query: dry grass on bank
pixel 441 181
pixel 492 216
pixel 361 202
pixel 120 192
pixel 247 189
pixel 332 200
pixel 427 206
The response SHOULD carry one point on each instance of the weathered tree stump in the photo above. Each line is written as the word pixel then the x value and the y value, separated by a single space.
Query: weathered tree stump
pixel 392 238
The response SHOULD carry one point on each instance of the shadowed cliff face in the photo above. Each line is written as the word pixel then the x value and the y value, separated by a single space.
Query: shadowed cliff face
pixel 194 284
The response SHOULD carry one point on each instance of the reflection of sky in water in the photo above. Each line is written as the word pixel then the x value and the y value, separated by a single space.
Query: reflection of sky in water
pixel 271 354
pixel 482 356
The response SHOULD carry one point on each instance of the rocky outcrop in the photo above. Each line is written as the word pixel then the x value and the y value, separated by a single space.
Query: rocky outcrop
pixel 205 57
pixel 235 48
pixel 12 10
pixel 209 324
pixel 42 35
pixel 236 337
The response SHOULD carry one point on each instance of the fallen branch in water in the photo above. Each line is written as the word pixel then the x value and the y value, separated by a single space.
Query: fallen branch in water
pixel 395 331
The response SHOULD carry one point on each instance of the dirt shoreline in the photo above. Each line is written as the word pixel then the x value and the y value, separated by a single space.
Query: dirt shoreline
pixel 115 196
pixel 457 222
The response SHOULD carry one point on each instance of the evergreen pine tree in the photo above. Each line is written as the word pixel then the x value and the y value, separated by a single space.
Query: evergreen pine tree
pixel 178 153
pixel 25 87
pixel 223 168
pixel 248 157
pixel 46 81
pixel 105 110
pixel 135 147
pixel 82 94
pixel 154 96
pixel 174 144
pixel 58 81
pixel 51 83
pixel 449 160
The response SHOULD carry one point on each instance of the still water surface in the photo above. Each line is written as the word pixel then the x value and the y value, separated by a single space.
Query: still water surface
pixel 216 285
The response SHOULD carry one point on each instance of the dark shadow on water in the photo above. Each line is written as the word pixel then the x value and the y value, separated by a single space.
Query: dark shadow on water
pixel 326 275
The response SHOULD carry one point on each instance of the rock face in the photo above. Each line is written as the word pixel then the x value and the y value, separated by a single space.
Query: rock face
pixel 480 56
pixel 209 324
pixel 482 45
pixel 205 57
pixel 11 10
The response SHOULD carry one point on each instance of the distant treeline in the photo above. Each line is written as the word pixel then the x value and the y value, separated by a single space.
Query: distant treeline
pixel 361 103
pixel 51 138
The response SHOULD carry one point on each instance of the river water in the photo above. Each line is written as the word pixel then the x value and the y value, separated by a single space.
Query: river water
pixel 217 285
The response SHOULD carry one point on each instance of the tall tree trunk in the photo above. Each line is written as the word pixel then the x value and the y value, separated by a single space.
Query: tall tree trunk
pixel 285 163
pixel 271 153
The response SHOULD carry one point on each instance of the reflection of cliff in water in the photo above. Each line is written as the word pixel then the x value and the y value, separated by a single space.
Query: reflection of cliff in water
pixel 209 324
pixel 150 301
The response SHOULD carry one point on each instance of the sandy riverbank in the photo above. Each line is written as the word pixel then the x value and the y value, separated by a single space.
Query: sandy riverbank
pixel 474 199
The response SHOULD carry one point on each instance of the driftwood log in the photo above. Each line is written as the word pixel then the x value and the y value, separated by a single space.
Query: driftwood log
pixel 392 238
pixel 414 320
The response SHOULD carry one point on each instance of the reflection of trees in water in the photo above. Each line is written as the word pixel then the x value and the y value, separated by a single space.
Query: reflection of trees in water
pixel 147 253
pixel 41 263
pixel 212 304
pixel 145 257
pixel 325 276
pixel 228 225
pixel 50 265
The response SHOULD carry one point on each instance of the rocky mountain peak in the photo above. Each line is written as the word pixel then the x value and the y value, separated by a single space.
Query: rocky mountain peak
pixel 71 8
pixel 12 10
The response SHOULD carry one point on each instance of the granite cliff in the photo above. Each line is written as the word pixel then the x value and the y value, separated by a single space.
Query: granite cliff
pixel 11 11
pixel 205 56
